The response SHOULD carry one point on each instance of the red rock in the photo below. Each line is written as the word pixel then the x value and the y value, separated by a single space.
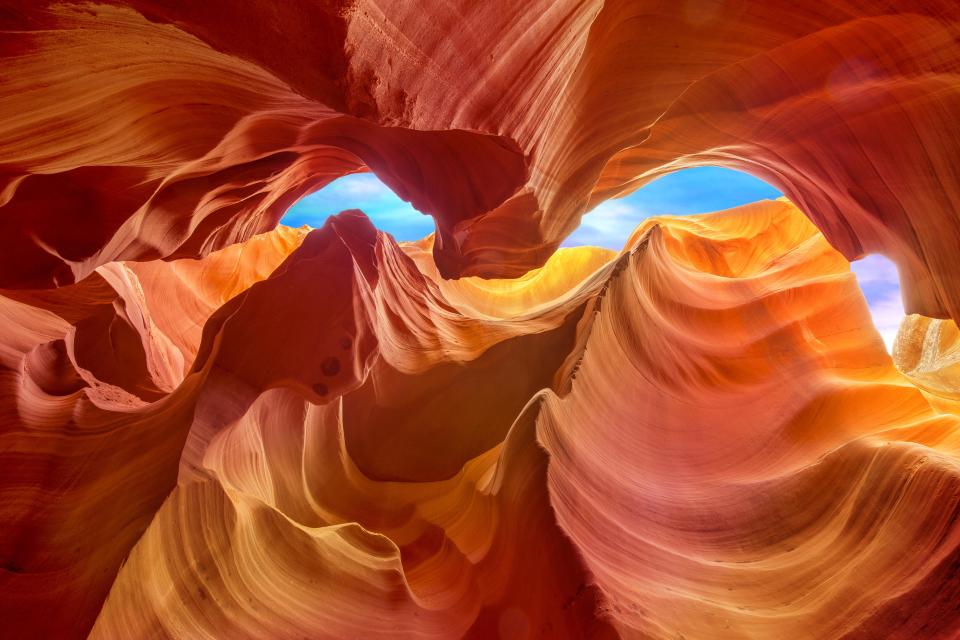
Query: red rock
pixel 213 426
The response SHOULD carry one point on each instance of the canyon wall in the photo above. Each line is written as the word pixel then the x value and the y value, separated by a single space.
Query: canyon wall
pixel 212 426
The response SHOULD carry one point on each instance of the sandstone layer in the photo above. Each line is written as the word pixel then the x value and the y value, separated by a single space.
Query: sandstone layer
pixel 701 435
pixel 179 128
pixel 212 426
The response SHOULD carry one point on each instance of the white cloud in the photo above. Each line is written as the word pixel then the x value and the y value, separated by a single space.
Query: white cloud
pixel 361 186
pixel 875 268
pixel 880 283
pixel 609 225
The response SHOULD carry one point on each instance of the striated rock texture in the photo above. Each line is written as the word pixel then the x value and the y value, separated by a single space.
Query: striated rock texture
pixel 214 427
pixel 178 127
pixel 700 436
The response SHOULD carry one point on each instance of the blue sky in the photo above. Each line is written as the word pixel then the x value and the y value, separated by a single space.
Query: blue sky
pixel 878 279
pixel 362 191
pixel 685 192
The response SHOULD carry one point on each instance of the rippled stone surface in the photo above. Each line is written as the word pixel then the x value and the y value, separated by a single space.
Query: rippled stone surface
pixel 212 427
pixel 184 127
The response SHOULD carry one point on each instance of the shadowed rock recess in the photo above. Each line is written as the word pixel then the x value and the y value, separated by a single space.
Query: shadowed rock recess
pixel 215 427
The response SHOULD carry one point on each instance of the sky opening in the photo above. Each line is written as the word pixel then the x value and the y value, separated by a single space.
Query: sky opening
pixel 684 192
pixel 880 283
pixel 362 191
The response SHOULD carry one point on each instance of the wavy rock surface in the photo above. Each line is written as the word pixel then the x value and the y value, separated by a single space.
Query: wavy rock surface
pixel 213 427
pixel 182 129
pixel 928 352
pixel 701 436
pixel 766 469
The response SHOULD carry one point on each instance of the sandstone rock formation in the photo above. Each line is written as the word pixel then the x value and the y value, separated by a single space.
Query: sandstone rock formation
pixel 179 127
pixel 215 427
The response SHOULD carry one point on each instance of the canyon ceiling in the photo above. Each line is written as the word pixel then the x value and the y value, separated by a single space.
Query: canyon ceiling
pixel 212 426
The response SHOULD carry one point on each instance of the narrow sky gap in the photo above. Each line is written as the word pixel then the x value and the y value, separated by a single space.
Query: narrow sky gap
pixel 362 191
pixel 685 192
pixel 880 283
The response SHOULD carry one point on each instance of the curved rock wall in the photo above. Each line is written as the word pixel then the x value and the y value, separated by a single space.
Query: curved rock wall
pixel 183 128
pixel 214 427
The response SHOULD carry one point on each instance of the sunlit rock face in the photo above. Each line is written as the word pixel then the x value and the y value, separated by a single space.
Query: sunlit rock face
pixel 213 427
pixel 182 127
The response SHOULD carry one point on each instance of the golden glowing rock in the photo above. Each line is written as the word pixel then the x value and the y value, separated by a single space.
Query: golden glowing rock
pixel 214 427
pixel 928 352
pixel 181 128
pixel 702 436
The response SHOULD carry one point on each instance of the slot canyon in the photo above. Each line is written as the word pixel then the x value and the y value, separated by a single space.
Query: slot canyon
pixel 217 426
